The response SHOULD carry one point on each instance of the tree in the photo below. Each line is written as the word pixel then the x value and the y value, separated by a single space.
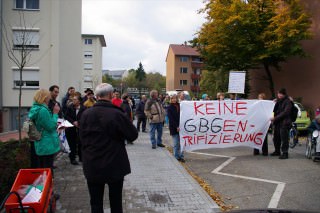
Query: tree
pixel 213 82
pixel 140 76
pixel 19 45
pixel 243 35
pixel 155 81
pixel 116 83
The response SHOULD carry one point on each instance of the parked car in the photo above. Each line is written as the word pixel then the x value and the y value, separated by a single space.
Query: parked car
pixel 303 119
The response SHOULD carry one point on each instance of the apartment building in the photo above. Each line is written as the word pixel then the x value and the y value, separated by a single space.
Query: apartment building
pixel 52 30
pixel 92 60
pixel 183 68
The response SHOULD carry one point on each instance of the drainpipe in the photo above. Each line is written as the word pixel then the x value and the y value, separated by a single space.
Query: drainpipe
pixel 1 67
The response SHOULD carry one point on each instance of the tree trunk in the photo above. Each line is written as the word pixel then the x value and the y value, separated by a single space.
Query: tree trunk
pixel 19 107
pixel 270 79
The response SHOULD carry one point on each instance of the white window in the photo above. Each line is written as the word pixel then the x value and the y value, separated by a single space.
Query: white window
pixel 88 66
pixel 88 41
pixel 197 71
pixel 183 70
pixel 87 84
pixel 30 78
pixel 88 54
pixel 26 39
pixel 87 78
pixel 183 82
pixel 183 58
pixel 27 4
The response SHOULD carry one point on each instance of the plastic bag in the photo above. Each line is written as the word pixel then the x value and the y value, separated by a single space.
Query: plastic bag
pixel 32 193
pixel 64 146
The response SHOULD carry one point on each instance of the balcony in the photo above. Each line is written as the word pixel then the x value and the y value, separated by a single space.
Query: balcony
pixel 195 89
pixel 196 64
pixel 195 76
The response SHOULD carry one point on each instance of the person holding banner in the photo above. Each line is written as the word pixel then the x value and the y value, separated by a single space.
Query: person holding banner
pixel 282 123
pixel 155 113
pixel 174 118
pixel 262 96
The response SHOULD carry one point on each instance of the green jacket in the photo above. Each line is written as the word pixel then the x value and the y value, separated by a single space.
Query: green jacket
pixel 46 123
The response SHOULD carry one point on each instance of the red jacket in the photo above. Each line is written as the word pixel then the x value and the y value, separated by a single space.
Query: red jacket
pixel 116 101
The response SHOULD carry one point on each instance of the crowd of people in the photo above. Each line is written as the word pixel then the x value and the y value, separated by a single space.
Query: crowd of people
pixel 102 125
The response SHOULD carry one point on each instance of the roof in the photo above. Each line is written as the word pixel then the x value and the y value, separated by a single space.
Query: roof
pixel 101 38
pixel 182 49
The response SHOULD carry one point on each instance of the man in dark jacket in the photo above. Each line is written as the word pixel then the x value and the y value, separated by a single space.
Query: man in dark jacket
pixel 282 124
pixel 103 131
pixel 73 115
pixel 54 92
pixel 142 118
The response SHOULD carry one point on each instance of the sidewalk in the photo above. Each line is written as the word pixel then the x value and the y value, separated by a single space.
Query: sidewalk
pixel 157 183
pixel 13 135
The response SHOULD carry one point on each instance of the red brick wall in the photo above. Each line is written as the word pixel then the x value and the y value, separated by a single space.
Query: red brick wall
pixel 299 76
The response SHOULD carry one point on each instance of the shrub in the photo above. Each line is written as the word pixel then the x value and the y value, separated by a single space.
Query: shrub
pixel 13 156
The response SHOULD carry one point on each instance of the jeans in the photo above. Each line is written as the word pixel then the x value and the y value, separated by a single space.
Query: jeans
pixel 96 191
pixel 153 128
pixel 178 154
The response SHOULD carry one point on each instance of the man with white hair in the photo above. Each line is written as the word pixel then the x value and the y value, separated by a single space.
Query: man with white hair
pixel 155 113
pixel 103 131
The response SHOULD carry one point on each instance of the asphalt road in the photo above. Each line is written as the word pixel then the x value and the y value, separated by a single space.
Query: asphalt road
pixel 250 182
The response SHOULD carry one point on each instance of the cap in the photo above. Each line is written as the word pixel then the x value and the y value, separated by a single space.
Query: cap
pixel 282 91
pixel 88 90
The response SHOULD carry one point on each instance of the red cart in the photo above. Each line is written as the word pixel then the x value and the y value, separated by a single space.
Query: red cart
pixel 27 177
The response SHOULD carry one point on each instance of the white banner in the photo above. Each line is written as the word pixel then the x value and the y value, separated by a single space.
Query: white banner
pixel 220 124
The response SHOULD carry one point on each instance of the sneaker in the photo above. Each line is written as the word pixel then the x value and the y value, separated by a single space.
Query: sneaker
pixel 56 196
pixel 154 146
pixel 161 145
pixel 181 160
pixel 284 156
pixel 275 154
pixel 74 162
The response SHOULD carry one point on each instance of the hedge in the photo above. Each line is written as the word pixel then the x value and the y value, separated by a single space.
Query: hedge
pixel 13 156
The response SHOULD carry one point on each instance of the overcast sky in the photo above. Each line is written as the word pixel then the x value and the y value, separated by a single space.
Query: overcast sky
pixel 140 30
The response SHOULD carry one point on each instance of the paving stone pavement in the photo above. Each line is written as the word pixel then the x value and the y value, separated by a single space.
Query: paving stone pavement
pixel 157 183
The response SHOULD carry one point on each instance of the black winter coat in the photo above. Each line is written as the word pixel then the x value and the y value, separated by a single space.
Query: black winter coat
pixel 72 116
pixel 140 110
pixel 282 112
pixel 173 113
pixel 103 131
pixel 125 106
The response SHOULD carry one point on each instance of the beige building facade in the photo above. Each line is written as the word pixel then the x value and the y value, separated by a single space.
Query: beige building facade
pixel 183 68
pixel 53 30
pixel 92 60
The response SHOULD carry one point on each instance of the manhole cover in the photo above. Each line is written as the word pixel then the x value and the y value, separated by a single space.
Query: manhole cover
pixel 157 198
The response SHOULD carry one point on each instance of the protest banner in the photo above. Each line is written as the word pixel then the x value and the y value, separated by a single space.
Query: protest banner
pixel 222 124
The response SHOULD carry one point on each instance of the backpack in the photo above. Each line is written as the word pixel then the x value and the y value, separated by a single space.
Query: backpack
pixel 294 112
pixel 30 128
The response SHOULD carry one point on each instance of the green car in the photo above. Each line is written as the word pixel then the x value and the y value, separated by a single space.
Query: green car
pixel 303 119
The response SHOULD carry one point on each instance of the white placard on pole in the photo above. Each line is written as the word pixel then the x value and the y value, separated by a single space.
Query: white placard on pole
pixel 237 81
